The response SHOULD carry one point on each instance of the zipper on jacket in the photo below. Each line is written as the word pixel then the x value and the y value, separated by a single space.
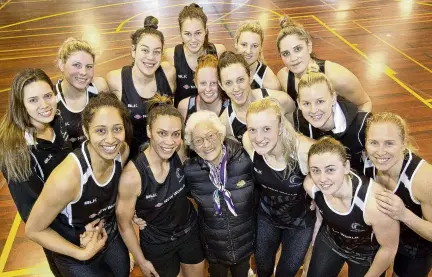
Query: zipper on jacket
pixel 229 232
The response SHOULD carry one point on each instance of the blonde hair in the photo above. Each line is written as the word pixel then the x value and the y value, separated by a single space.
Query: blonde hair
pixel 328 145
pixel 392 118
pixel 253 27
pixel 71 46
pixel 290 27
pixel 200 117
pixel 312 78
pixel 288 137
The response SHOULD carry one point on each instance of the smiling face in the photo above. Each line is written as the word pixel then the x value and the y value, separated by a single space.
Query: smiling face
pixel 106 132
pixel 263 134
pixel 384 145
pixel 40 103
pixel 235 82
pixel 207 142
pixel 147 54
pixel 193 34
pixel 207 84
pixel 315 103
pixel 295 53
pixel 78 70
pixel 165 135
pixel 328 172
pixel 249 45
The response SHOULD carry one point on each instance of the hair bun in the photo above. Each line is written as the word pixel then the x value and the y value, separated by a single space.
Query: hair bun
pixel 151 22
pixel 286 21
pixel 195 5
pixel 159 100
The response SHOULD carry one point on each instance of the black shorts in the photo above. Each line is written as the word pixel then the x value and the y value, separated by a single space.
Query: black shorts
pixel 166 258
pixel 405 266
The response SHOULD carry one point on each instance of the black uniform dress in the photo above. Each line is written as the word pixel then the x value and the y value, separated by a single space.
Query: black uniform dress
pixel 96 201
pixel 291 88
pixel 45 156
pixel 171 229
pixel 137 105
pixel 414 257
pixel 72 119
pixel 350 128
pixel 345 236
pixel 185 75
pixel 284 216
pixel 258 78
pixel 192 107
pixel 238 127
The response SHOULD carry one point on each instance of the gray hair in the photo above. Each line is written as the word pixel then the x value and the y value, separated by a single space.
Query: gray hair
pixel 201 117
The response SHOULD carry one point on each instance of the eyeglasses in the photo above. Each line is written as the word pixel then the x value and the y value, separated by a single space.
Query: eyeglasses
pixel 211 137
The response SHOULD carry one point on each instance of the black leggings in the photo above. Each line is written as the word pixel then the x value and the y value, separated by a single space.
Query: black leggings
pixel 114 261
pixel 295 243
pixel 327 263
pixel 238 270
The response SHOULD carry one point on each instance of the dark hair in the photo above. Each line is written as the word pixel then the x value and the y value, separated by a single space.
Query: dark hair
pixel 228 58
pixel 107 99
pixel 150 28
pixel 195 11
pixel 15 157
pixel 161 105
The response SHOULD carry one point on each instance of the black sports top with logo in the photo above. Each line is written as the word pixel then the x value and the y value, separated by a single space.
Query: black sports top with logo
pixel 410 243
pixel 238 127
pixel 258 78
pixel 72 119
pixel 283 201
pixel 137 105
pixel 164 206
pixel 291 87
pixel 347 233
pixel 96 200
pixel 192 106
pixel 185 75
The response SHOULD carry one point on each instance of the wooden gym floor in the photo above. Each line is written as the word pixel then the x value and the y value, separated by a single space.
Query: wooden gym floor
pixel 387 44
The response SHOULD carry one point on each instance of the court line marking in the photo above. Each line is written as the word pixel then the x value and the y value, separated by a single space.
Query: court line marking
pixel 68 12
pixel 26 271
pixel 97 63
pixel 120 26
pixel 9 241
pixel 328 5
pixel 387 70
pixel 396 49
pixel 67 26
pixel 2 6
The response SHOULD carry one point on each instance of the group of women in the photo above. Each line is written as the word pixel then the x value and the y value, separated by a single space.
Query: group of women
pixel 216 158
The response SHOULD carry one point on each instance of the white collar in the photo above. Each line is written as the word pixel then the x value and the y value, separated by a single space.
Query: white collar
pixel 339 119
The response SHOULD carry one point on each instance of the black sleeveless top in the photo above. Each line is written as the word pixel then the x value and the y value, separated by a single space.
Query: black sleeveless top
pixel 283 201
pixel 185 75
pixel 347 233
pixel 96 200
pixel 192 106
pixel 291 88
pixel 238 127
pixel 258 78
pixel 164 206
pixel 410 243
pixel 137 105
pixel 72 119
pixel 49 154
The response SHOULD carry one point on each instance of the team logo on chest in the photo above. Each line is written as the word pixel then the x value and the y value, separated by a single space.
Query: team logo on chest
pixel 357 227
pixel 182 76
pixel 138 116
pixel 132 105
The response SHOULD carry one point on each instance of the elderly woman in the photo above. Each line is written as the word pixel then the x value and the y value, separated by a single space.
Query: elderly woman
pixel 220 181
